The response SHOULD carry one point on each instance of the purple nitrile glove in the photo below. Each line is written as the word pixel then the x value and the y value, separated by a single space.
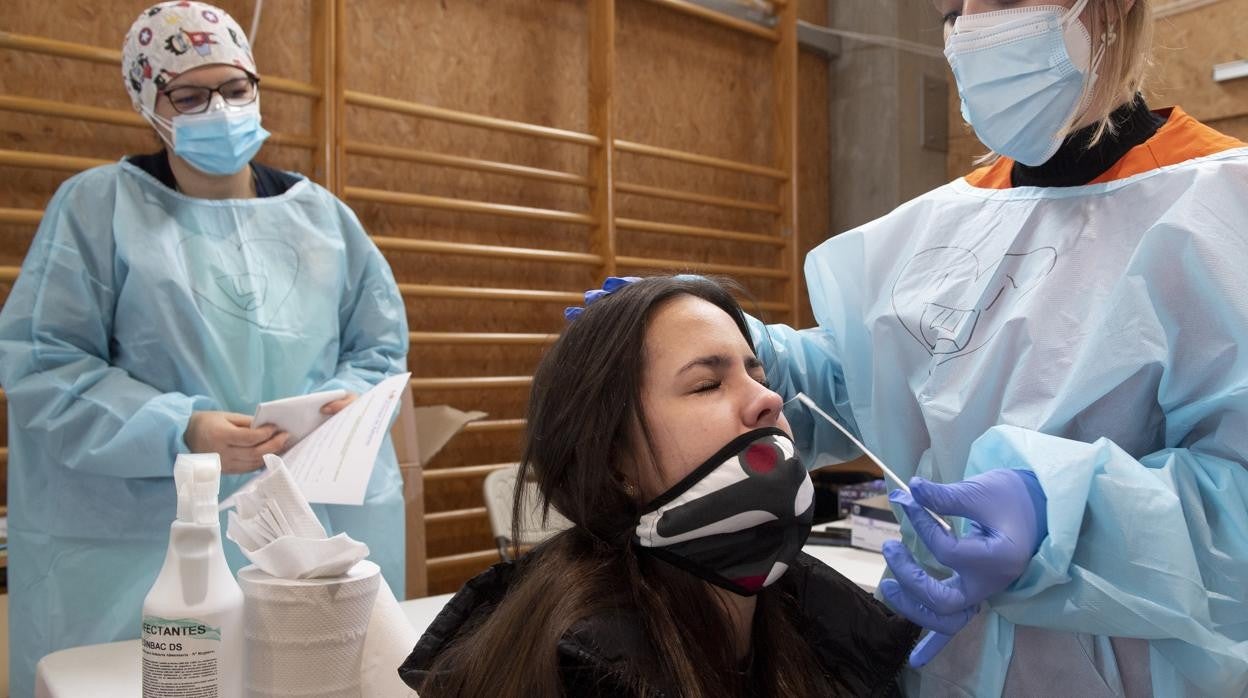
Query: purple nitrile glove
pixel 1008 520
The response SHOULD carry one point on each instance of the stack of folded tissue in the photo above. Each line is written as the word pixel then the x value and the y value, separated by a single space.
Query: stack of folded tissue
pixel 315 607
pixel 278 531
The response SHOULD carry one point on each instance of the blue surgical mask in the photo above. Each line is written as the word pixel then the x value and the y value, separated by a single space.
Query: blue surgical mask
pixel 220 141
pixel 1025 75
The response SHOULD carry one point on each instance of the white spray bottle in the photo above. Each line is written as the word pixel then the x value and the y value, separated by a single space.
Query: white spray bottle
pixel 193 615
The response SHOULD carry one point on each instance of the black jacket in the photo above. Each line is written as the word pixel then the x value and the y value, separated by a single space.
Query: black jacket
pixel 855 638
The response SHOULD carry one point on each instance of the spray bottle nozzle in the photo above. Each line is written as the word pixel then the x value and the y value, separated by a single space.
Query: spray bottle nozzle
pixel 197 477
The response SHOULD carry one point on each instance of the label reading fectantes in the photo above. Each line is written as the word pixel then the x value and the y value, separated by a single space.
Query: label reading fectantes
pixel 180 658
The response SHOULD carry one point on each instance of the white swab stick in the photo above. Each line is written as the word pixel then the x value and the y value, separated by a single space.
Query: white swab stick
pixel 888 472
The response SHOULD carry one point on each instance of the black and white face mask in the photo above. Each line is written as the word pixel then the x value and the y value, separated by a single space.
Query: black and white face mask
pixel 739 519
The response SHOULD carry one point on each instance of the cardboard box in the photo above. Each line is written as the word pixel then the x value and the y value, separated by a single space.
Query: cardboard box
pixel 872 522
pixel 418 434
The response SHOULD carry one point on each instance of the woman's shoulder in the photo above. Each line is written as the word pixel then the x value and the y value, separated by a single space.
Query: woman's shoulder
pixel 604 654
pixel 855 637
pixel 305 192
pixel 609 654
pixel 86 198
pixel 1183 138
pixel 271 181
pixel 93 181
pixel 468 607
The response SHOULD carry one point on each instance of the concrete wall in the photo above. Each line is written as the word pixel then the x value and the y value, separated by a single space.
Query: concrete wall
pixel 877 161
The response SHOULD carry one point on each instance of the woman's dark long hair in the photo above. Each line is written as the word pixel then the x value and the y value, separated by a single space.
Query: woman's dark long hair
pixel 583 416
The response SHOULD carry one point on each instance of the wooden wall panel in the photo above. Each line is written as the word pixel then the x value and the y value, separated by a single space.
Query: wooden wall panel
pixel 814 155
pixel 681 83
pixel 443 492
pixel 450 574
pixel 1186 47
pixel 511 59
pixel 687 84
pixel 475 448
pixel 523 60
pixel 281 49
pixel 452 536
pixel 1235 126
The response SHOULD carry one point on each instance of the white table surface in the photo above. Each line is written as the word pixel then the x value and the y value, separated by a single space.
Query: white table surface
pixel 114 669
pixel 862 567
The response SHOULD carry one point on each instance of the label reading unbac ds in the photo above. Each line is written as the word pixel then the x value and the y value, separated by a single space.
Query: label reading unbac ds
pixel 180 658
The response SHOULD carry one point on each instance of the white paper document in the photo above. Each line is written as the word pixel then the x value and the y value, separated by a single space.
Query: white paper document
pixel 298 416
pixel 333 463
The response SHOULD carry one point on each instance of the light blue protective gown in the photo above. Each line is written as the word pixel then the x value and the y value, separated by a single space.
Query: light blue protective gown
pixel 1097 335
pixel 136 306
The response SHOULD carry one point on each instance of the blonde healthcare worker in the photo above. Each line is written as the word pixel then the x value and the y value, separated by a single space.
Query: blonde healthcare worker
pixel 163 298
pixel 1061 339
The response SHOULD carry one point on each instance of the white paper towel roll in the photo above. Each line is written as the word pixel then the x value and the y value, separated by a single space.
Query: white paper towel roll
pixel 390 639
pixel 305 637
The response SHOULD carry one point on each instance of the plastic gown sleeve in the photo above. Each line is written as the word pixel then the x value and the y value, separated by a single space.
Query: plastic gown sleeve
pixel 1154 547
pixel 1151 548
pixel 371 313
pixel 808 361
pixel 55 330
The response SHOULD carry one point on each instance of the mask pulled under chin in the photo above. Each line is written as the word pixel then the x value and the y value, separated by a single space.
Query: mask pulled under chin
pixel 737 521
pixel 217 142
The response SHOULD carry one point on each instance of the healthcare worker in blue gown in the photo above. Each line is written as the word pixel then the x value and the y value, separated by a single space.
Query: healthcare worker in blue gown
pixel 163 298
pixel 1056 348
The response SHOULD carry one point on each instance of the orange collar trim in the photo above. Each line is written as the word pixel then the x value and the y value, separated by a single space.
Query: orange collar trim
pixel 1180 139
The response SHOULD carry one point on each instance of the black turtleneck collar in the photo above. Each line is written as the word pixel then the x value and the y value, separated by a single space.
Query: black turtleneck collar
pixel 1074 164
pixel 269 181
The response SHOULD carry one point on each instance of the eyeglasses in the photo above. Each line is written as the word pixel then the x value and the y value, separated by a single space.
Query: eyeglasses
pixel 194 99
